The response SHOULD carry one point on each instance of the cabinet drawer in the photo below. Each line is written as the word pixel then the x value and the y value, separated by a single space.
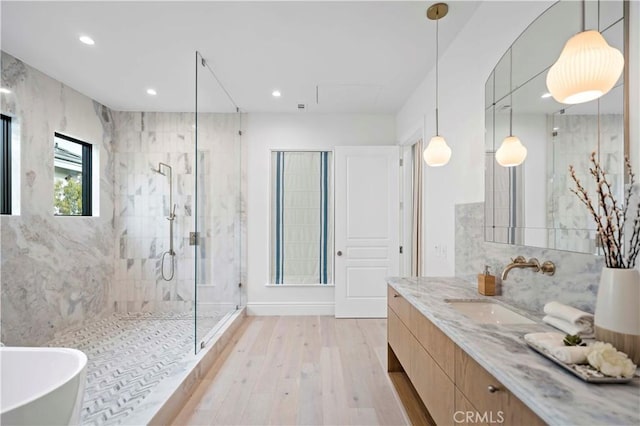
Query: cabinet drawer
pixel 435 388
pixel 517 413
pixel 465 412
pixel 475 383
pixel 399 339
pixel 399 304
pixel 437 344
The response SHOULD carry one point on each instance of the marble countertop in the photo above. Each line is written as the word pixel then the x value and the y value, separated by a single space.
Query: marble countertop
pixel 555 395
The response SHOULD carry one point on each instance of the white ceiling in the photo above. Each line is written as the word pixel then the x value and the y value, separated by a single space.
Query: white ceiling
pixel 362 56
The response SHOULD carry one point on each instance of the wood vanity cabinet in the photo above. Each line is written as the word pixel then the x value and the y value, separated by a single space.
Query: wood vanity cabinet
pixel 400 306
pixel 439 346
pixel 434 387
pixel 449 382
pixel 488 395
pixel 400 339
pixel 424 368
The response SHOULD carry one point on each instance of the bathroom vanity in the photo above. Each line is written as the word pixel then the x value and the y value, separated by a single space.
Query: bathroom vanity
pixel 473 370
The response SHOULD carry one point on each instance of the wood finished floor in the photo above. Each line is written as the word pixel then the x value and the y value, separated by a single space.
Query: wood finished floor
pixel 299 371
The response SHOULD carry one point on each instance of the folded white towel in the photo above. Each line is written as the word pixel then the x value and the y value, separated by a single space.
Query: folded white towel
pixel 548 335
pixel 569 328
pixel 571 354
pixel 583 320
pixel 547 341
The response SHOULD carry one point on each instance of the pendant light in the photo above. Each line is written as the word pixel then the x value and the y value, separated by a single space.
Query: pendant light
pixel 438 152
pixel 511 153
pixel 586 69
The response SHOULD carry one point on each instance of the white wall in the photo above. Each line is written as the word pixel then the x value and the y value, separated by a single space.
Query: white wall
pixel 464 68
pixel 264 132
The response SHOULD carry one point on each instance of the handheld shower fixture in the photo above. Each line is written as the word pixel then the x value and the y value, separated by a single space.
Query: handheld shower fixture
pixel 170 218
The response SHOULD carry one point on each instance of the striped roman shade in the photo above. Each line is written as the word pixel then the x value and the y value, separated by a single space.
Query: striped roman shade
pixel 302 213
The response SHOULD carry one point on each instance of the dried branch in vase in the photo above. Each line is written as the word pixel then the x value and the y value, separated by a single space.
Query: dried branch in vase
pixel 610 216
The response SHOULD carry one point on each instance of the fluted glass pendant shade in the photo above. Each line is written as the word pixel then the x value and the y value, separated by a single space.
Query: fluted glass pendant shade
pixel 437 153
pixel 511 153
pixel 586 69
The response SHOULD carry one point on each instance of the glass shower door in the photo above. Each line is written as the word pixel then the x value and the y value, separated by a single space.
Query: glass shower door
pixel 217 239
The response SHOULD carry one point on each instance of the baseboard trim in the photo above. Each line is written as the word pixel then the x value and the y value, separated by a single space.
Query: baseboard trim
pixel 290 308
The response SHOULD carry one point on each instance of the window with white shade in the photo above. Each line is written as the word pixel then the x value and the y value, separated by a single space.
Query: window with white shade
pixel 301 217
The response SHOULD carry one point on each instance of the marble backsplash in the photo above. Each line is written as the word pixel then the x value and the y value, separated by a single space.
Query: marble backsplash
pixel 55 271
pixel 574 283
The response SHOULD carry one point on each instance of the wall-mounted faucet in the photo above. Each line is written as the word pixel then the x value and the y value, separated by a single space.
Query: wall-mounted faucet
pixel 548 267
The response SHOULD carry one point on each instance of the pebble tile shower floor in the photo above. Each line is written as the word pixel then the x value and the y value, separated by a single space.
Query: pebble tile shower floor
pixel 128 355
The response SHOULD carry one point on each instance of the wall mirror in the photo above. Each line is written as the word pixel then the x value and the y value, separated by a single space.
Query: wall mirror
pixel 531 204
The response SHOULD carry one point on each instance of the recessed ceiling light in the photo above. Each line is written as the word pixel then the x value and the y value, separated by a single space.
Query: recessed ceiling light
pixel 3 90
pixel 276 94
pixel 546 95
pixel 152 92
pixel 87 40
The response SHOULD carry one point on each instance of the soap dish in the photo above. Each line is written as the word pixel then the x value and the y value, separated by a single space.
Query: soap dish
pixel 584 371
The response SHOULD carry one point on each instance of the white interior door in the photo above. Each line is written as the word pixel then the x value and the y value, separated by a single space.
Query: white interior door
pixel 367 224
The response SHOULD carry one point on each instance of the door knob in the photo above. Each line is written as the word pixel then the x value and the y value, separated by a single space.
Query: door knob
pixel 492 389
pixel 339 253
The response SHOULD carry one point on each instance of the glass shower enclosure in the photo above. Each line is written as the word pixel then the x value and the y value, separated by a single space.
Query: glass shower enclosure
pixel 217 235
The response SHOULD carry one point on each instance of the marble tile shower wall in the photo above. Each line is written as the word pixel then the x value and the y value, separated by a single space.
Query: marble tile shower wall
pixel 55 270
pixel 575 281
pixel 142 205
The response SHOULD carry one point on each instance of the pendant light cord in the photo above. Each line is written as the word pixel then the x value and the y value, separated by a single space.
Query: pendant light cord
pixel 437 20
pixel 510 92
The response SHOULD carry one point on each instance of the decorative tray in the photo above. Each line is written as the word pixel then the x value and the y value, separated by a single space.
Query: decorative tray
pixel 584 371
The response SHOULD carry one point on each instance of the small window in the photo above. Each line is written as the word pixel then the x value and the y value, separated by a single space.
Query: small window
pixel 72 176
pixel 5 171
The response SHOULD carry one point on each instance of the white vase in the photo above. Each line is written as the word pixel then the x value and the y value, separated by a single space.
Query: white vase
pixel 617 316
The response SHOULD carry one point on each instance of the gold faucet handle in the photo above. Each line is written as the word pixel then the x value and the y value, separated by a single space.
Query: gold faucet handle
pixel 534 263
pixel 548 267
pixel 519 259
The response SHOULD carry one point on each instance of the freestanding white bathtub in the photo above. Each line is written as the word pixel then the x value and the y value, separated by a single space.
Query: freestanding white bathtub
pixel 41 386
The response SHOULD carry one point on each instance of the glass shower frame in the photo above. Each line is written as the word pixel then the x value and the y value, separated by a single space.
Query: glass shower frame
pixel 217 237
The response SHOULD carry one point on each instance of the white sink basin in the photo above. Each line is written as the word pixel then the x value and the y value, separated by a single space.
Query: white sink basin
pixel 484 312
